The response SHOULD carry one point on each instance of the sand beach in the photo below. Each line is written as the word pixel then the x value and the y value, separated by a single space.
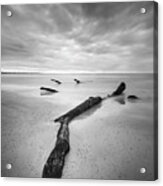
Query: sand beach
pixel 111 141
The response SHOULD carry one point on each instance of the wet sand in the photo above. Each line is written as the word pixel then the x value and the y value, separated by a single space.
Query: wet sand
pixel 111 141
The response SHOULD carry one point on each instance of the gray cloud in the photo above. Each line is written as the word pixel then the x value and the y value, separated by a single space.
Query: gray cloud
pixel 78 37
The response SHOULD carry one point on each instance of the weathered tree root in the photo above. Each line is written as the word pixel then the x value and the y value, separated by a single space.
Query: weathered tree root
pixel 55 163
pixel 89 103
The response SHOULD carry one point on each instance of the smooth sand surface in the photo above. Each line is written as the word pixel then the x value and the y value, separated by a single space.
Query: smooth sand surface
pixel 28 134
pixel 111 141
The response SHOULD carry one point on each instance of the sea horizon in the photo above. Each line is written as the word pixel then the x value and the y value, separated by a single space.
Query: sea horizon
pixel 74 72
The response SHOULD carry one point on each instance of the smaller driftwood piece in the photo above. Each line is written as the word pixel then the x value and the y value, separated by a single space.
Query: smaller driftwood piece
pixel 48 89
pixel 56 81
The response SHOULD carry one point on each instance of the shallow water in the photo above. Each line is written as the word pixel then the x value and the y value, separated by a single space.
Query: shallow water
pixel 111 141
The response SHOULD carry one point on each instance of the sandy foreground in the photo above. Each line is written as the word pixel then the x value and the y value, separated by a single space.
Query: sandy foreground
pixel 111 141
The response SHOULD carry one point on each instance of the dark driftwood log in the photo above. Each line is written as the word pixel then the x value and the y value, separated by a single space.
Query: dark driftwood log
pixel 119 90
pixel 54 165
pixel 89 103
pixel 77 81
pixel 48 89
pixel 132 97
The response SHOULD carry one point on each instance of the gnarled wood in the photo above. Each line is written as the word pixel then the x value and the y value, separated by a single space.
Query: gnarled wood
pixel 89 103
pixel 54 165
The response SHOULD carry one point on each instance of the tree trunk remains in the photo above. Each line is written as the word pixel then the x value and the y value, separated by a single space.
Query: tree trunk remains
pixel 54 165
pixel 89 103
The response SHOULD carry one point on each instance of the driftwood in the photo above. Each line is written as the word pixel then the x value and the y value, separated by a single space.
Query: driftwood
pixel 77 81
pixel 48 89
pixel 54 165
pixel 119 90
pixel 89 103
pixel 132 97
pixel 57 81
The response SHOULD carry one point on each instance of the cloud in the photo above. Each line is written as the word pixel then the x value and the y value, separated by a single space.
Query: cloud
pixel 112 37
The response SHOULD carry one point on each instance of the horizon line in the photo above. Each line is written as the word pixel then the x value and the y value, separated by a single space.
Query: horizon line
pixel 74 72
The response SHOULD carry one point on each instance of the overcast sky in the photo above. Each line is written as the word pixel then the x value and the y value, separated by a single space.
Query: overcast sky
pixel 103 37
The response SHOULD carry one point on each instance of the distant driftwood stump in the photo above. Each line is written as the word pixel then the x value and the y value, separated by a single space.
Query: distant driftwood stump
pixel 56 81
pixel 48 89
pixel 55 163
pixel 133 97
pixel 77 81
